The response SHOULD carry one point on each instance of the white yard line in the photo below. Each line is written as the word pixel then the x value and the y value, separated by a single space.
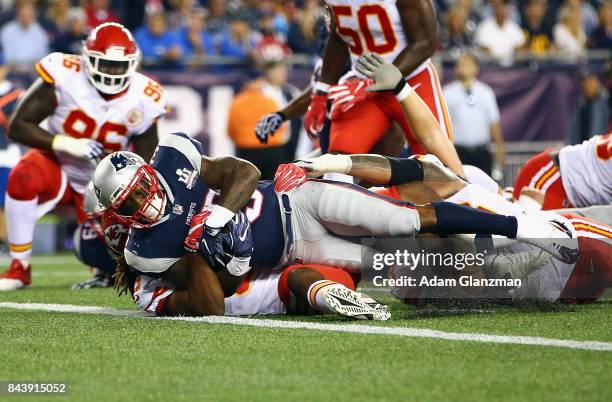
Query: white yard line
pixel 356 329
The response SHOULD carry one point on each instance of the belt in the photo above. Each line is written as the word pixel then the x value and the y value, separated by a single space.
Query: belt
pixel 288 225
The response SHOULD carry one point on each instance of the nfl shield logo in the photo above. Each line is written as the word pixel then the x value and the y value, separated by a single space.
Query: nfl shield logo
pixel 177 209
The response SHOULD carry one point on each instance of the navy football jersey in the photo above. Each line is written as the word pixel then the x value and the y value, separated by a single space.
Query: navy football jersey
pixel 177 161
pixel 91 249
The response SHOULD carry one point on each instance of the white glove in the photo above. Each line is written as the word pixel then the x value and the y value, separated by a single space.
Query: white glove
pixel 80 147
pixel 327 163
pixel 268 126
pixel 386 75
pixel 239 266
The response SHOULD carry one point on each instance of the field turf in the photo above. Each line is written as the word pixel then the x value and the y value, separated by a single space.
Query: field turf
pixel 110 358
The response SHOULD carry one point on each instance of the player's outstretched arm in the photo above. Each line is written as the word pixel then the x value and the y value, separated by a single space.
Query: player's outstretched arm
pixel 202 293
pixel 236 178
pixel 421 29
pixel 424 125
pixel 37 103
pixel 378 169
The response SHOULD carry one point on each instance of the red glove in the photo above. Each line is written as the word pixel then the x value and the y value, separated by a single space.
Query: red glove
pixel 347 95
pixel 315 116
pixel 289 176
pixel 196 228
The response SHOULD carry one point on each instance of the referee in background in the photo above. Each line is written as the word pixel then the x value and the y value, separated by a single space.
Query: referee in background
pixel 475 115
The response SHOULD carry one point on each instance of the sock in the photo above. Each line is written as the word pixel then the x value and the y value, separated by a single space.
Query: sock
pixel 316 295
pixel 452 218
pixel 20 221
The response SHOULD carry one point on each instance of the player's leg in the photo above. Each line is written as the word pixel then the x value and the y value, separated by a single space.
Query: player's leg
pixel 90 248
pixel 540 172
pixel 327 290
pixel 34 184
pixel 427 86
pixel 357 130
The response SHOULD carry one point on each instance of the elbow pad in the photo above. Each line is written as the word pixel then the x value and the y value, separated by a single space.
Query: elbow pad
pixel 405 170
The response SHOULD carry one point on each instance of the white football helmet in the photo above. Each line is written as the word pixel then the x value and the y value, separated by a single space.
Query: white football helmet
pixel 111 57
pixel 128 188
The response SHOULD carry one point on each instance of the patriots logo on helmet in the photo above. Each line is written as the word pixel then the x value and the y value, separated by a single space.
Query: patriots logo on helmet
pixel 120 161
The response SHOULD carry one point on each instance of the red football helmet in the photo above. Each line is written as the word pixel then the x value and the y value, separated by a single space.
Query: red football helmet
pixel 111 56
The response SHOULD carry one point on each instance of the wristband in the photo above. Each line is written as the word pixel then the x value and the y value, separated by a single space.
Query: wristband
pixel 321 87
pixel 219 217
pixel 62 143
pixel 282 116
pixel 402 90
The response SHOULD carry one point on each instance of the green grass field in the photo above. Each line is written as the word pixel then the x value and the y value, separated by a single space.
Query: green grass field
pixel 106 358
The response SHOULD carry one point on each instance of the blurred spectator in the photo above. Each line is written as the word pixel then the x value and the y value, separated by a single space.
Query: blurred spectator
pixel 499 36
pixel 24 41
pixel 279 23
pixel 99 12
pixel 304 30
pixel 266 33
pixel 218 19
pixel 475 115
pixel 237 42
pixel 157 43
pixel 71 39
pixel 257 99
pixel 588 14
pixel 593 114
pixel 568 34
pixel 538 35
pixel 195 40
pixel 488 10
pixel 602 36
pixel 58 14
pixel 455 35
pixel 178 16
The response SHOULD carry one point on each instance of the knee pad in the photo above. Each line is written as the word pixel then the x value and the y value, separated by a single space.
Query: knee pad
pixel 25 182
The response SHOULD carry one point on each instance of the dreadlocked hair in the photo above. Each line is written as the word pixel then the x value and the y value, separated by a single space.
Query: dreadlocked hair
pixel 124 277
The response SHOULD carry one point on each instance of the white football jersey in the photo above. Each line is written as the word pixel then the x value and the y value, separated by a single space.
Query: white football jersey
pixel 586 171
pixel 370 26
pixel 81 111
pixel 258 294
pixel 478 197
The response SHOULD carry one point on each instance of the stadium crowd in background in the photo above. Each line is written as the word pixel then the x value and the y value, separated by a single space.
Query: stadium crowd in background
pixel 172 31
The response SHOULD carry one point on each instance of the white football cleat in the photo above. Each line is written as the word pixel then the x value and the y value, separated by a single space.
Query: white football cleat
pixel 552 233
pixel 16 277
pixel 348 303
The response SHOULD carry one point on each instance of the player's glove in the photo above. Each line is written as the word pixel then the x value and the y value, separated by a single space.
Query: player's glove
pixel 317 111
pixel 269 125
pixel 328 163
pixel 347 95
pixel 238 245
pixel 386 76
pixel 289 176
pixel 79 147
pixel 208 238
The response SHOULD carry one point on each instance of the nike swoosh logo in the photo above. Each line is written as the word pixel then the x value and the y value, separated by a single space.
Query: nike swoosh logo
pixel 244 235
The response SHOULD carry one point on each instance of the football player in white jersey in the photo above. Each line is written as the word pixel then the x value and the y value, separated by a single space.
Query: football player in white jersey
pixel 94 103
pixel 403 32
pixel 576 175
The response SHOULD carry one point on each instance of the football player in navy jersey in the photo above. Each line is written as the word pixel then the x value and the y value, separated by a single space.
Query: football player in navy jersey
pixel 169 205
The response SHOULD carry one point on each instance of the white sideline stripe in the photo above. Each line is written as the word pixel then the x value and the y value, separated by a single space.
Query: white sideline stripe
pixel 356 329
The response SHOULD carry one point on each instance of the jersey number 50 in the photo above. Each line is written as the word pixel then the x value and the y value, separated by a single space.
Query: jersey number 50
pixel 364 13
